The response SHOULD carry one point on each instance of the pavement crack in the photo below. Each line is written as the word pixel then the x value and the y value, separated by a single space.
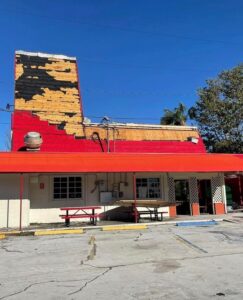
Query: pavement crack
pixel 93 250
pixel 38 283
pixel 25 289
pixel 110 267
pixel 10 251
pixel 90 281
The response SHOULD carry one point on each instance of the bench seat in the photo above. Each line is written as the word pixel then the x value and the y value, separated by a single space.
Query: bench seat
pixel 79 216
pixel 150 213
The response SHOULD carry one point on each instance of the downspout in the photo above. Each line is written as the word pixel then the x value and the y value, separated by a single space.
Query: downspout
pixel 135 198
pixel 98 137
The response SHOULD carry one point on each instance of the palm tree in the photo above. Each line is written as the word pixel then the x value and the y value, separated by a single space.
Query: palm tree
pixel 177 116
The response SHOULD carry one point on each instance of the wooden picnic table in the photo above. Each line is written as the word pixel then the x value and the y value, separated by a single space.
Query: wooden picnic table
pixel 80 212
pixel 144 203
pixel 150 205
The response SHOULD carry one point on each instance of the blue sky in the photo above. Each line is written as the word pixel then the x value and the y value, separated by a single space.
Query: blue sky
pixel 135 58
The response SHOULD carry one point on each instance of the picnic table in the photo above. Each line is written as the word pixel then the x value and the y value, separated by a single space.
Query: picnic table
pixel 80 212
pixel 151 207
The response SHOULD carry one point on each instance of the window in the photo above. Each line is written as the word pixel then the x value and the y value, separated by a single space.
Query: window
pixel 148 188
pixel 67 187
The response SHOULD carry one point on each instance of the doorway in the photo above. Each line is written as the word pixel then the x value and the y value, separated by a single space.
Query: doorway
pixel 229 196
pixel 182 197
pixel 205 196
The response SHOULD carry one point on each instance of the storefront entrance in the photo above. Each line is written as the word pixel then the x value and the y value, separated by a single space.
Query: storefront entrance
pixel 182 197
pixel 205 196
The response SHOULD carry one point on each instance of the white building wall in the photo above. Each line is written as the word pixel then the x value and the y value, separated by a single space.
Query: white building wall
pixel 43 209
pixel 40 207
pixel 10 203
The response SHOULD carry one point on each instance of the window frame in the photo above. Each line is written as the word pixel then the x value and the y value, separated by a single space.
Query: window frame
pixel 159 189
pixel 68 198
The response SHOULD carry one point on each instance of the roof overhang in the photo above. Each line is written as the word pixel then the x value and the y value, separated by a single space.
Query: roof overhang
pixel 29 162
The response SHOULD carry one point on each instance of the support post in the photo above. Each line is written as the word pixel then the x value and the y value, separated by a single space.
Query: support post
pixel 21 190
pixel 194 198
pixel 135 198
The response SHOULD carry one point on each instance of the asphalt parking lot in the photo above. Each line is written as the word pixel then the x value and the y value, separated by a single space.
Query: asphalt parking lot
pixel 161 262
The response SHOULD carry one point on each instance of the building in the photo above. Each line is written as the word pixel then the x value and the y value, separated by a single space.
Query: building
pixel 47 100
pixel 84 163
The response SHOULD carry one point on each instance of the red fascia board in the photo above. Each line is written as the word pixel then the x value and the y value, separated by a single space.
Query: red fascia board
pixel 26 162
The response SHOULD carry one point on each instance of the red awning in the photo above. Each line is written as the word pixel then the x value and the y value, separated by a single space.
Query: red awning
pixel 26 162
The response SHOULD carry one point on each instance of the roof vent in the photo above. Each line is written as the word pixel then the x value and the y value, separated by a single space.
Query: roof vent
pixel 193 139
pixel 33 141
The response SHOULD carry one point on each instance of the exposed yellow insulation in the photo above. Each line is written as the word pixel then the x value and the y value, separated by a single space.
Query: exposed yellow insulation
pixel 53 85
pixel 19 71
pixel 135 134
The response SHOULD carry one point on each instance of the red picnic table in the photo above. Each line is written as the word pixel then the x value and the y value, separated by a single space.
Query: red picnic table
pixel 80 212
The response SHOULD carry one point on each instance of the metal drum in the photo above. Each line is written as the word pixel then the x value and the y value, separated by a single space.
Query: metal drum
pixel 33 141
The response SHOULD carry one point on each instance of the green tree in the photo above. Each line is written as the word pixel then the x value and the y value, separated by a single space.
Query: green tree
pixel 177 116
pixel 219 112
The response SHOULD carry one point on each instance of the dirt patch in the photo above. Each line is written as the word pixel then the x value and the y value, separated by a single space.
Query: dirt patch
pixel 166 266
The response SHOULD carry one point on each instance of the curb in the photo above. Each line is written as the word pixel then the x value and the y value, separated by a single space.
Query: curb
pixel 81 230
pixel 124 227
pixel 58 231
pixel 17 233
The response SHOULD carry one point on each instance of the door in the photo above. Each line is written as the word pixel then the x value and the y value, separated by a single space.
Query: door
pixel 182 197
pixel 205 196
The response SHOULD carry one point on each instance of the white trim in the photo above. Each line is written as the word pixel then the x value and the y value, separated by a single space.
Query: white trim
pixel 40 54
pixel 151 126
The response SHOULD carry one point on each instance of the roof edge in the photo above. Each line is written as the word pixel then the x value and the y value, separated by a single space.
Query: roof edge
pixel 22 162
pixel 40 54
pixel 144 126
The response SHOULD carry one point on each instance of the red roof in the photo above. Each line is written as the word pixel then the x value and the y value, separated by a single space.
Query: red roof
pixel 25 162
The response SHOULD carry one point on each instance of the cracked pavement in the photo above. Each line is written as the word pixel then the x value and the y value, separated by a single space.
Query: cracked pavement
pixel 162 262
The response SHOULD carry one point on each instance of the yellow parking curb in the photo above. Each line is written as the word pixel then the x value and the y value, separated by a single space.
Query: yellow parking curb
pixel 60 231
pixel 2 236
pixel 124 227
pixel 13 232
